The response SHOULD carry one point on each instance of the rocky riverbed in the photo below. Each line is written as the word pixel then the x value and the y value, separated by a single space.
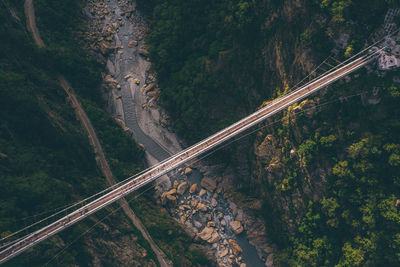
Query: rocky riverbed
pixel 200 198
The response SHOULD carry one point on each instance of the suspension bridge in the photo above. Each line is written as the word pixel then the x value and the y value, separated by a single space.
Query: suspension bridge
pixel 110 195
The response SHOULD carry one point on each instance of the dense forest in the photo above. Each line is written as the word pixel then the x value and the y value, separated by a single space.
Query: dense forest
pixel 46 160
pixel 209 54
pixel 216 62
pixel 219 60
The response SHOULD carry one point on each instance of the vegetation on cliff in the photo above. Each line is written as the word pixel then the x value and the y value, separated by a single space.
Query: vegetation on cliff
pixel 46 160
pixel 217 61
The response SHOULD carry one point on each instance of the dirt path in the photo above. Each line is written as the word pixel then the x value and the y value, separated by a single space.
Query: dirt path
pixel 94 141
pixel 31 22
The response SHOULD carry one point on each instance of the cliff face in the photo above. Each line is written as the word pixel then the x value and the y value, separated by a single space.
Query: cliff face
pixel 307 163
pixel 317 165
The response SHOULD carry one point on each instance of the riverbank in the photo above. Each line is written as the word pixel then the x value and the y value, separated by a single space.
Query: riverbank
pixel 207 214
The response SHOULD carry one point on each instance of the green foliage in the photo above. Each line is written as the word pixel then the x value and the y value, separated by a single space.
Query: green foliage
pixel 187 43
pixel 46 160
pixel 207 54
pixel 328 141
pixel 306 150
pixel 394 91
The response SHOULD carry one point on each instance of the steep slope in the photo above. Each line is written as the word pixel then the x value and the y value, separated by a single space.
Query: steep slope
pixel 326 172
pixel 94 141
pixel 46 160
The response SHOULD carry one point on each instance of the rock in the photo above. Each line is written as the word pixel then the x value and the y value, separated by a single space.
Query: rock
pixel 118 97
pixel 128 76
pixel 223 222
pixel 206 233
pixel 143 52
pixel 149 87
pixel 201 207
pixel 132 43
pixel 195 202
pixel 194 188
pixel 110 80
pixel 236 227
pixel 208 184
pixel 183 218
pixel 215 237
pixel 202 192
pixel 224 252
pixel 214 202
pixel 270 260
pixel 136 81
pixel 309 107
pixel 211 224
pixel 188 171
pixel 236 249
pixel 182 188
pixel 234 211
pixel 292 153
pixel 171 192
pixel 105 48
pixel 243 265
pixel 219 189
pixel 187 207
pixel 197 224
pixel 171 200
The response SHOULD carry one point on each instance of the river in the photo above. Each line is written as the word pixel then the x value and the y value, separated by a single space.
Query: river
pixel 130 67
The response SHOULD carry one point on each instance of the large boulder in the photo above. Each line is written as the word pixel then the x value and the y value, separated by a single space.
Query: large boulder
pixel 128 76
pixel 202 192
pixel 224 252
pixel 236 227
pixel 215 237
pixel 206 233
pixel 143 52
pixel 182 188
pixel 106 48
pixel 188 171
pixel 270 260
pixel 132 43
pixel 208 184
pixel 171 192
pixel 168 197
pixel 236 249
pixel 194 188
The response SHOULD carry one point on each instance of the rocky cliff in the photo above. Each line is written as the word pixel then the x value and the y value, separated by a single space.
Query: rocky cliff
pixel 311 172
